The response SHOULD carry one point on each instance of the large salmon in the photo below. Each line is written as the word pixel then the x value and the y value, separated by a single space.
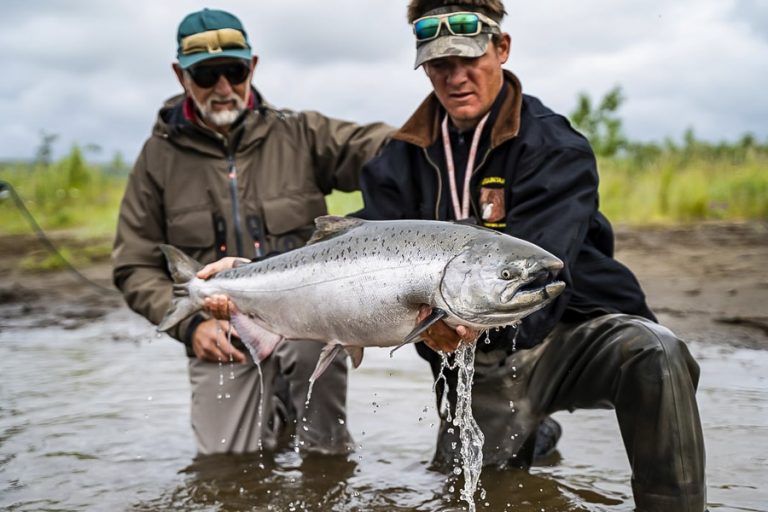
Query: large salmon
pixel 361 283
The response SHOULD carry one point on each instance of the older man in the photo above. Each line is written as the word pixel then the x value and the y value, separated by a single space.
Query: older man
pixel 226 173
pixel 479 150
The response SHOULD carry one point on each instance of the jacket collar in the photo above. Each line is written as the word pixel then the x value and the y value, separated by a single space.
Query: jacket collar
pixel 174 122
pixel 423 128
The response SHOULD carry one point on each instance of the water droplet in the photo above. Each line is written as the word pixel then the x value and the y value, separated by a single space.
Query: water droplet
pixel 457 471
pixel 149 398
pixel 341 421
pixel 223 440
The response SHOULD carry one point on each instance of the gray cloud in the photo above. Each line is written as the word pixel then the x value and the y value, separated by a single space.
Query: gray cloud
pixel 96 72
pixel 754 14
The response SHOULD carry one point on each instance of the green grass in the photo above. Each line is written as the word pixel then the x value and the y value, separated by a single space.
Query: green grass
pixel 673 190
pixel 664 187
pixel 69 194
pixel 342 203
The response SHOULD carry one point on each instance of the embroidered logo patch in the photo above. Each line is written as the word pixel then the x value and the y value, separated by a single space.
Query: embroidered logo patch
pixel 492 207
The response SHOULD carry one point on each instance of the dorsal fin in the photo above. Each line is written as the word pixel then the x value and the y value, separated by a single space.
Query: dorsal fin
pixel 329 226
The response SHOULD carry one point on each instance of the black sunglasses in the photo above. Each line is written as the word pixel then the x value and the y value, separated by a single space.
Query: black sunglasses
pixel 207 76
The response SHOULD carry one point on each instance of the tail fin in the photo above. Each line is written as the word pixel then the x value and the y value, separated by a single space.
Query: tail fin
pixel 182 269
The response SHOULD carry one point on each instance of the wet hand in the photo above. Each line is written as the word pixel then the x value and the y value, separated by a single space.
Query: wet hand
pixel 442 338
pixel 219 306
pixel 220 265
pixel 209 343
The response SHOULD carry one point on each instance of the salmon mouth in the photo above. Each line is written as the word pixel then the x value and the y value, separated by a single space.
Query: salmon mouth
pixel 538 289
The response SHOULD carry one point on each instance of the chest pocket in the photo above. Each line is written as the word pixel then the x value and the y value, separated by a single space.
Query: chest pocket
pixel 190 227
pixel 289 220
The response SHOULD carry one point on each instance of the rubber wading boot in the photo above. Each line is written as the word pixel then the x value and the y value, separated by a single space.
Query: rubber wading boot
pixel 547 436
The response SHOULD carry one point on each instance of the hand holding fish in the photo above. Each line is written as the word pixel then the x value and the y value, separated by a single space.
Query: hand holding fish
pixel 442 338
pixel 219 306
pixel 225 263
pixel 377 274
pixel 209 343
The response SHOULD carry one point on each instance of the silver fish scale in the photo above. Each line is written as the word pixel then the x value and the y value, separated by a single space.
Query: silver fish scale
pixel 375 273
pixel 362 283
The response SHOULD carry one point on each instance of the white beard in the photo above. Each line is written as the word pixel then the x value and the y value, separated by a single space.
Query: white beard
pixel 223 117
pixel 220 117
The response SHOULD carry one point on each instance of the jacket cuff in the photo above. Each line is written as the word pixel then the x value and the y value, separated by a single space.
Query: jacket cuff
pixel 188 331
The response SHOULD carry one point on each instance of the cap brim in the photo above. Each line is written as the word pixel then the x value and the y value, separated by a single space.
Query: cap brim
pixel 186 61
pixel 451 46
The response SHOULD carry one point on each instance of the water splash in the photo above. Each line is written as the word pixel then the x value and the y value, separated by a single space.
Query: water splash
pixel 471 436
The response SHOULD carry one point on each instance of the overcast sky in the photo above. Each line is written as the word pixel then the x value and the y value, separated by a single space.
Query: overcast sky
pixel 95 72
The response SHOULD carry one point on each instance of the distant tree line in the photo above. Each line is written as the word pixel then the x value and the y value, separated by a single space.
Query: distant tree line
pixel 601 124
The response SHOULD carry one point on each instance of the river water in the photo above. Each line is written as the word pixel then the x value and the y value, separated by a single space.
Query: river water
pixel 96 418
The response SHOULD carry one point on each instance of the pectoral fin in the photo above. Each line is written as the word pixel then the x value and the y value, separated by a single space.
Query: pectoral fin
pixel 325 359
pixel 356 354
pixel 259 341
pixel 437 314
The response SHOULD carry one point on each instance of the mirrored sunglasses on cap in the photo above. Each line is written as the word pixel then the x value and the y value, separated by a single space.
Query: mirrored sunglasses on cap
pixel 206 75
pixel 458 23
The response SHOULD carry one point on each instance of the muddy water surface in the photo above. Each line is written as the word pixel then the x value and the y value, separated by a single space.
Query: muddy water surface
pixel 95 417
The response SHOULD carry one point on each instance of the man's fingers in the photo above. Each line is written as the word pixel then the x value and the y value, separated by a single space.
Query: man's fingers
pixel 207 271
pixel 226 349
pixel 466 334
pixel 218 266
pixel 210 343
pixel 219 306
pixel 230 352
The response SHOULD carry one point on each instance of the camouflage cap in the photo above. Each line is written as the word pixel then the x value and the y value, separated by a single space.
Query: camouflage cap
pixel 451 46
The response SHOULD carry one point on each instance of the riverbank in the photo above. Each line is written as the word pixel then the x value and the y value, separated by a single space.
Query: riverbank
pixel 707 282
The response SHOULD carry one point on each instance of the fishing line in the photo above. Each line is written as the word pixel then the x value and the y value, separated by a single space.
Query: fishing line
pixel 6 189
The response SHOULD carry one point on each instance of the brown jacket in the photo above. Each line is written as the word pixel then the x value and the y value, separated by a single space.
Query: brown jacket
pixel 181 192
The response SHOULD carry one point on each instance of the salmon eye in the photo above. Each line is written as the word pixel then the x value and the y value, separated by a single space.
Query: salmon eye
pixel 505 274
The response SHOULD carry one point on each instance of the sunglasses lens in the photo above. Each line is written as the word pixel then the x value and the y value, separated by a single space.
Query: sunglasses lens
pixel 464 24
pixel 204 76
pixel 236 73
pixel 207 76
pixel 426 28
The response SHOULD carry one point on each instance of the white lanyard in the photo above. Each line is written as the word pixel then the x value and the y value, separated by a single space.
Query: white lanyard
pixel 461 210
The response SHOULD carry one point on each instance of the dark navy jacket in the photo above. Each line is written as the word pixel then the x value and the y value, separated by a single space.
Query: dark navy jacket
pixel 546 174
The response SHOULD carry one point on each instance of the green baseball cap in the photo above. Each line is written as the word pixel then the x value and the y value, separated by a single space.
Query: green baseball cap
pixel 210 34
